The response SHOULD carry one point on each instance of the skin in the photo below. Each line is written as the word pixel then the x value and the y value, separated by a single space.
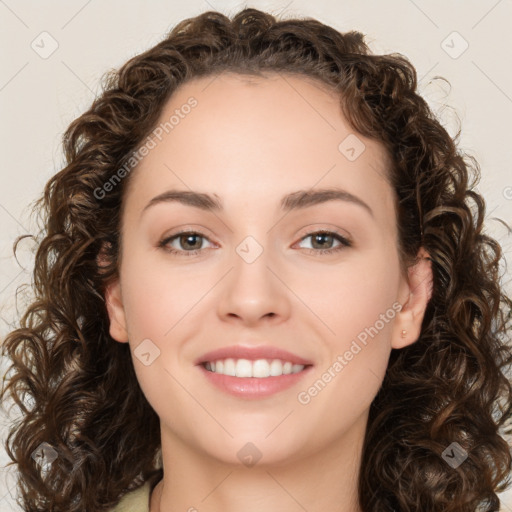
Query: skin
pixel 248 142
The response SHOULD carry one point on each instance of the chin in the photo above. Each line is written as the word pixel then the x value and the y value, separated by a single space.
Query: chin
pixel 257 450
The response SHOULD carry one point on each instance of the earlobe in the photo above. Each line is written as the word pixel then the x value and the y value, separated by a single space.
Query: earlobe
pixel 415 294
pixel 115 308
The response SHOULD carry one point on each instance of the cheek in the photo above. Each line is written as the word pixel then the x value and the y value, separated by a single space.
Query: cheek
pixel 367 303
pixel 353 297
pixel 157 308
pixel 358 308
pixel 157 297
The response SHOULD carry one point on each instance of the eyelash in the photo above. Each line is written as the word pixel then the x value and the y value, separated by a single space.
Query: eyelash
pixel 344 242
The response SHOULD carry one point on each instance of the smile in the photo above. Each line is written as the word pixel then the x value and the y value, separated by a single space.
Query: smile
pixel 252 380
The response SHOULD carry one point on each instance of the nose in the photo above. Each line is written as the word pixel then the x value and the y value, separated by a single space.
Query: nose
pixel 254 292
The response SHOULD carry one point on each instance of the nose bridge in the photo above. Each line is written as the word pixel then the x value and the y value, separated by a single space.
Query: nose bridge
pixel 251 249
pixel 252 278
pixel 252 291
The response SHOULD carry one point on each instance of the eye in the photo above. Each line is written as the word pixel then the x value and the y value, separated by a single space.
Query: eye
pixel 187 239
pixel 323 239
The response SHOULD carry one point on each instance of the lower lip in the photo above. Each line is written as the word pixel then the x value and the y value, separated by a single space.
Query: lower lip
pixel 254 387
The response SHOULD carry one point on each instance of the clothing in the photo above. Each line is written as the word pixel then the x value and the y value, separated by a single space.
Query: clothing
pixel 135 501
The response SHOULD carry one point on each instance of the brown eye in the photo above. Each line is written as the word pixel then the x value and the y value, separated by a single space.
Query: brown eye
pixel 186 243
pixel 322 242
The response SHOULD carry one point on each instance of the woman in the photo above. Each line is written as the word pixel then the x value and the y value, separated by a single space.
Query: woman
pixel 263 283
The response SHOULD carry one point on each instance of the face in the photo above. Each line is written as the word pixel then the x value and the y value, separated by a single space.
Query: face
pixel 261 265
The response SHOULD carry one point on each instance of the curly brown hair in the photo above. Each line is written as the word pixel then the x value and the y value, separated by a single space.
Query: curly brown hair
pixel 449 386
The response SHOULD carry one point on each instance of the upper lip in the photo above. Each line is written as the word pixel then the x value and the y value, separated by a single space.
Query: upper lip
pixel 252 353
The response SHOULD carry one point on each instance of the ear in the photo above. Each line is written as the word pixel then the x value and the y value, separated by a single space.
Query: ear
pixel 414 294
pixel 114 302
pixel 115 308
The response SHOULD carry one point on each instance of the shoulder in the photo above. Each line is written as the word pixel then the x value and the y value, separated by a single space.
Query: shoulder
pixel 135 501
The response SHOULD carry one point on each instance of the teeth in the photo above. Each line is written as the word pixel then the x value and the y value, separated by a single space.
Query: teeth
pixel 260 368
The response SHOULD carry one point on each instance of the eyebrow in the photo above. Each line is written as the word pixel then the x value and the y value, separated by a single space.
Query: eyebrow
pixel 293 201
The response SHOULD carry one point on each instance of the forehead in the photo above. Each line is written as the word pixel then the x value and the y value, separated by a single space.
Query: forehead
pixel 249 137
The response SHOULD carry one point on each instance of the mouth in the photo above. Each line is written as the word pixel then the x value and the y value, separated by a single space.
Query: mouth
pixel 253 372
pixel 253 379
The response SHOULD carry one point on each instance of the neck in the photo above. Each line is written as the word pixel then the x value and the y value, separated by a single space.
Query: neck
pixel 319 480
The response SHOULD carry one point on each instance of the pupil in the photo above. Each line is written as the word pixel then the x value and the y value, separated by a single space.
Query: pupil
pixel 322 236
pixel 187 238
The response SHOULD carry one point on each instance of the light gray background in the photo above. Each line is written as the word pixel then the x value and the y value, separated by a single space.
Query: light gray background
pixel 41 94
